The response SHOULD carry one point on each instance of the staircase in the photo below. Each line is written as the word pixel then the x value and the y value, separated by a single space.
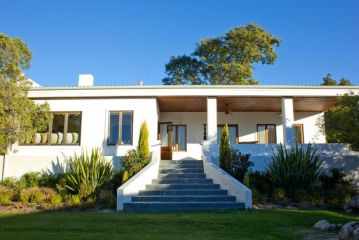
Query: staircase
pixel 182 186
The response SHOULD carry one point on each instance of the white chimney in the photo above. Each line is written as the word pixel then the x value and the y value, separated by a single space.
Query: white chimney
pixel 85 80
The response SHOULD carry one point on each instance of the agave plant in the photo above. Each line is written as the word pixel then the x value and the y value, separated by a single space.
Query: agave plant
pixel 86 173
pixel 294 168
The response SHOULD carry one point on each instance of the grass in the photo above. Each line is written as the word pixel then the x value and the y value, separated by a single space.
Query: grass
pixel 256 224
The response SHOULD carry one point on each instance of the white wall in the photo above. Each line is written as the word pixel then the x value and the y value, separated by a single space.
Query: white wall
pixel 94 132
pixel 247 127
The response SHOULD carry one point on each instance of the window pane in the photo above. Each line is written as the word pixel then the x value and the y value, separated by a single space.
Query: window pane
pixel 261 134
pixel 126 128
pixel 58 126
pixel 271 134
pixel 232 134
pixel 114 129
pixel 181 137
pixel 172 130
pixel 73 128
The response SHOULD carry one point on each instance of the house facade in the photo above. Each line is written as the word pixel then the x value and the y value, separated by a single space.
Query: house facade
pixel 184 122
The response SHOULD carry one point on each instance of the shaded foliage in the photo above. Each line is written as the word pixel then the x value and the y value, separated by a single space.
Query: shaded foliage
pixel 341 123
pixel 224 147
pixel 237 164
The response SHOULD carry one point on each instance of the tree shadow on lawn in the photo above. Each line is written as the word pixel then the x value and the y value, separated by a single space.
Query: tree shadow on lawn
pixel 252 224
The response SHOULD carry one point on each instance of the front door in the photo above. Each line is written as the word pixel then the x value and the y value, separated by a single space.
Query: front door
pixel 166 140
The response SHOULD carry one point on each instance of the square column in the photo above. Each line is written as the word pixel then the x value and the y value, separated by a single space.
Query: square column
pixel 212 119
pixel 288 120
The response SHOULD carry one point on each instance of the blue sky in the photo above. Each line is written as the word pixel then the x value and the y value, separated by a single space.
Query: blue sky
pixel 120 42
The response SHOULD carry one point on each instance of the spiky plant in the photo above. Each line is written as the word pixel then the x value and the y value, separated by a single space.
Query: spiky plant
pixel 87 173
pixel 294 168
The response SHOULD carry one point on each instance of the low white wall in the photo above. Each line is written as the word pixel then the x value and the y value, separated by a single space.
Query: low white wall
pixel 140 180
pixel 1 166
pixel 221 177
pixel 334 156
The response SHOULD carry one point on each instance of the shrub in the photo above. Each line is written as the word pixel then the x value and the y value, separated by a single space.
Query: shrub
pixel 125 177
pixel 87 173
pixel 337 187
pixel 237 164
pixel 6 195
pixel 36 195
pixel 56 201
pixel 258 197
pixel 224 147
pixel 261 182
pixel 297 168
pixel 72 201
pixel 31 179
pixel 114 182
pixel 106 199
pixel 301 195
pixel 278 194
pixel 49 180
pixel 10 182
pixel 143 146
pixel 246 179
pixel 132 162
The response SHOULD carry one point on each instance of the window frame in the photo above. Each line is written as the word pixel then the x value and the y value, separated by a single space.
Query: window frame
pixel 49 132
pixel 301 125
pixel 230 125
pixel 266 127
pixel 176 126
pixel 120 127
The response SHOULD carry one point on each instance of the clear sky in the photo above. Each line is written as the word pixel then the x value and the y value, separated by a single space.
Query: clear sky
pixel 121 42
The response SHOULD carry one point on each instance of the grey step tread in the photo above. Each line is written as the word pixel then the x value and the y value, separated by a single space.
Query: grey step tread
pixel 180 206
pixel 183 192
pixel 189 198
pixel 182 175
pixel 181 180
pixel 178 171
pixel 181 167
pixel 182 186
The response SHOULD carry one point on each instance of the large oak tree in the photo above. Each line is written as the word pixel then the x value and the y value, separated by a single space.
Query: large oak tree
pixel 225 59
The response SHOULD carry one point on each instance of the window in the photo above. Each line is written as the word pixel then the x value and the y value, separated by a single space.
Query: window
pixel 298 133
pixel 63 129
pixel 177 137
pixel 233 133
pixel 120 128
pixel 266 133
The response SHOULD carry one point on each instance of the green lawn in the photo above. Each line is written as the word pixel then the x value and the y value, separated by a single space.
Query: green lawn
pixel 256 224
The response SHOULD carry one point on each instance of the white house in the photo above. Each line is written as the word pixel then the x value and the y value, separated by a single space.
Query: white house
pixel 184 123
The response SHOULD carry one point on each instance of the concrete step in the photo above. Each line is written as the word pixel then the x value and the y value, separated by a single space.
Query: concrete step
pixel 203 198
pixel 180 166
pixel 181 170
pixel 181 186
pixel 181 162
pixel 181 206
pixel 181 175
pixel 181 181
pixel 183 192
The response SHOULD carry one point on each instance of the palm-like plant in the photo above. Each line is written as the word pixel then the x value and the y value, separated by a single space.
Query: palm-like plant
pixel 294 168
pixel 86 173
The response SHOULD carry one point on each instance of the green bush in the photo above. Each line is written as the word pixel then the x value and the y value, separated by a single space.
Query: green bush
pixel 72 201
pixel 301 195
pixel 6 195
pixel 224 147
pixel 50 180
pixel 132 162
pixel 56 201
pixel 87 173
pixel 31 179
pixel 336 188
pixel 261 182
pixel 246 179
pixel 278 194
pixel 106 199
pixel 143 146
pixel 36 195
pixel 296 168
pixel 258 197
pixel 125 177
pixel 237 164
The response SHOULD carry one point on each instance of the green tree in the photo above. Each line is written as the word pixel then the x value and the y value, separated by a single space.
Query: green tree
pixel 329 81
pixel 224 147
pixel 344 82
pixel 19 116
pixel 341 123
pixel 143 146
pixel 225 59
